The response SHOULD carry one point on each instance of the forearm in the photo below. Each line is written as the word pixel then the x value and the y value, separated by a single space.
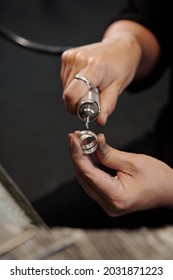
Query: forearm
pixel 143 40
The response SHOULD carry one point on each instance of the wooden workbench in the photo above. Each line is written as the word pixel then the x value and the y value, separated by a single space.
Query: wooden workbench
pixel 23 235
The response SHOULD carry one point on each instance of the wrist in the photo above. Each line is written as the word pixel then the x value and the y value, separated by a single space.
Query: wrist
pixel 143 39
pixel 128 47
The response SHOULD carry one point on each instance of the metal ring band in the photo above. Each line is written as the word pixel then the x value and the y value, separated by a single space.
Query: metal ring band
pixel 85 80
pixel 91 147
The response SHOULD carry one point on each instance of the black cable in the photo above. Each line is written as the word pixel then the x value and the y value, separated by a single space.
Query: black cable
pixel 32 46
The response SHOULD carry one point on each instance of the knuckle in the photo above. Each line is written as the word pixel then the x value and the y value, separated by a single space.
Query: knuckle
pixel 97 62
pixel 81 57
pixel 68 55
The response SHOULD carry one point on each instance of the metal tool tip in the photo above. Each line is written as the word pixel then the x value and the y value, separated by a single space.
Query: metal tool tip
pixel 87 123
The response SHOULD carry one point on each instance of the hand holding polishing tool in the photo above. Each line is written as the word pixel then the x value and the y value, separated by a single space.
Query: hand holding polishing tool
pixel 88 110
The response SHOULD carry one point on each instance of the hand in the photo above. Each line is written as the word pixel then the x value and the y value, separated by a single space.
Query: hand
pixel 127 51
pixel 141 182
pixel 109 65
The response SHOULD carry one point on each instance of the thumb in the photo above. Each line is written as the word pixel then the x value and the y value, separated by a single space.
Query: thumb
pixel 113 158
pixel 108 101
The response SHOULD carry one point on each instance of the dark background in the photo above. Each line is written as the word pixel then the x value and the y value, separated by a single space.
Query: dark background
pixel 33 121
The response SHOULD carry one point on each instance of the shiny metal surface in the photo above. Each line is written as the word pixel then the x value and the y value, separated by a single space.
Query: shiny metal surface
pixel 88 141
pixel 89 106
pixel 85 80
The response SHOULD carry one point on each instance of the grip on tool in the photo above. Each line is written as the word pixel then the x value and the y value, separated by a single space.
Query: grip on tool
pixel 89 106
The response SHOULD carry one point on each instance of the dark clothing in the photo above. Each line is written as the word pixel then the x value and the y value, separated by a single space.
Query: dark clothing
pixel 154 15
pixel 150 14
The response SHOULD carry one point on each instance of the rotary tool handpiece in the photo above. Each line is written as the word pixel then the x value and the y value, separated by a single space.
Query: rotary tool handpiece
pixel 89 106
pixel 88 110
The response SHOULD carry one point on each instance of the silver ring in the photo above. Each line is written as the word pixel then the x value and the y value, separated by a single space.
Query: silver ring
pixel 88 141
pixel 85 80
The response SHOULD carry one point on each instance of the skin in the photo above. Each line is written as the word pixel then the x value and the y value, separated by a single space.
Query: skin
pixel 127 52
pixel 141 182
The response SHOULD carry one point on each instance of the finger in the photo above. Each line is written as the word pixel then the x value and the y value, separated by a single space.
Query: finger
pixel 92 178
pixel 74 60
pixel 73 93
pixel 113 158
pixel 62 71
pixel 76 153
pixel 108 101
pixel 68 61
pixel 79 62
pixel 64 63
pixel 68 69
pixel 106 190
pixel 90 190
pixel 78 88
pixel 105 201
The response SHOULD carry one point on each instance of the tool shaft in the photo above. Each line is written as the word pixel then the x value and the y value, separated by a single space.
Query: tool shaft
pixel 89 106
